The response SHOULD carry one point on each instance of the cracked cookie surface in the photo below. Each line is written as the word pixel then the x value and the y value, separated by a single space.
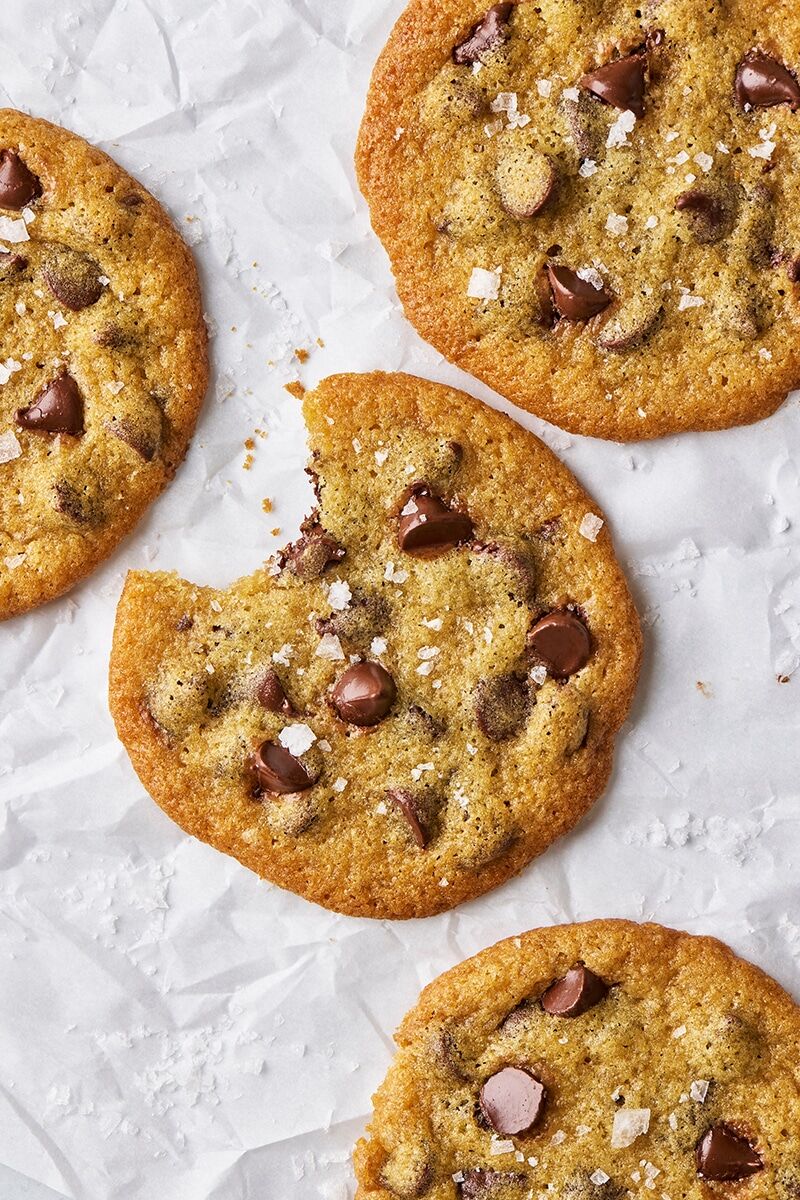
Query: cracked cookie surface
pixel 593 205
pixel 103 365
pixel 421 693
pixel 592 1062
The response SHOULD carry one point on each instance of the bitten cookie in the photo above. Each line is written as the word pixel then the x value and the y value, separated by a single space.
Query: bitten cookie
pixel 594 205
pixel 104 361
pixel 421 693
pixel 592 1062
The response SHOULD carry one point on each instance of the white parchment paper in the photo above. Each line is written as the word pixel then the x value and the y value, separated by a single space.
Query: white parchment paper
pixel 170 1026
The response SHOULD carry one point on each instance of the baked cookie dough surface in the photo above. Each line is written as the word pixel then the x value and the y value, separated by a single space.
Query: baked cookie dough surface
pixel 103 365
pixel 421 693
pixel 594 206
pixel 592 1062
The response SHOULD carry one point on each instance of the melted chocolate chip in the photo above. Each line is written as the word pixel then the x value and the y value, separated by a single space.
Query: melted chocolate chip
pixel 11 264
pixel 58 408
pixel 364 694
pixel 512 1101
pixel 280 772
pixel 146 442
pixel 709 219
pixel 576 299
pixel 427 527
pixel 630 327
pixel 502 706
pixel 410 808
pixel 271 696
pixel 76 504
pixel 762 82
pixel 18 185
pixel 562 642
pixel 723 1154
pixel 313 552
pixel 482 1184
pixel 73 278
pixel 489 33
pixel 620 83
pixel 578 991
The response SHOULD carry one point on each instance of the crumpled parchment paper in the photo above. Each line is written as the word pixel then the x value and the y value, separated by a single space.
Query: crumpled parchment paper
pixel 170 1025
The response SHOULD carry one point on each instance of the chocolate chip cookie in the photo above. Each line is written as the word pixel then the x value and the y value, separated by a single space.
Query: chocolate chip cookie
pixel 594 205
pixel 104 360
pixel 421 693
pixel 592 1062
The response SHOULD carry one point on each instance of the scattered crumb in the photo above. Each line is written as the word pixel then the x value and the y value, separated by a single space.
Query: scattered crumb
pixel 295 389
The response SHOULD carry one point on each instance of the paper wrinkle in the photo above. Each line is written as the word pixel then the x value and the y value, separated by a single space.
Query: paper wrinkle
pixel 169 1024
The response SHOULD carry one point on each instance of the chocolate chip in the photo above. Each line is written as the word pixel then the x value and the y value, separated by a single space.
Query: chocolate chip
pixel 73 278
pixel 58 408
pixel 364 694
pixel 576 299
pixel 630 326
pixel 710 219
pixel 280 772
pixel 271 696
pixel 410 808
pixel 526 180
pixel 578 991
pixel 113 337
pixel 620 83
pixel 562 642
pixel 723 1154
pixel 77 504
pixel 502 706
pixel 18 185
pixel 512 1101
pixel 485 1183
pixel 762 82
pixel 489 33
pixel 313 552
pixel 424 723
pixel 427 526
pixel 11 264
pixel 587 125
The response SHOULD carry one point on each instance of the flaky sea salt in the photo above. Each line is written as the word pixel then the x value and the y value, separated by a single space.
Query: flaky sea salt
pixel 688 301
pixel 764 150
pixel 483 284
pixel 13 230
pixel 588 168
pixel 425 668
pixel 379 646
pixel 15 560
pixel 283 655
pixel 598 1178
pixel 765 354
pixel 590 526
pixel 9 446
pixel 629 1124
pixel 616 224
pixel 330 647
pixel 339 595
pixel 651 222
pixel 679 1032
pixel 507 103
pixel 59 320
pixel 539 675
pixel 297 739
pixel 381 457
pixel 428 652
pixel 704 161
pixel 115 387
pixel 339 784
pixel 618 133
pixel 544 87
pixel 699 1090
pixel 571 93
pixel 434 623
pixel 393 575
pixel 501 1146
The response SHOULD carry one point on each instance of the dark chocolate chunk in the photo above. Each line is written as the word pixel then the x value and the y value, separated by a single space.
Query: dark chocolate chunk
pixel 576 299
pixel 426 526
pixel 512 1101
pixel 409 806
pixel 723 1154
pixel 73 277
pixel 271 696
pixel 578 991
pixel 77 504
pixel 709 218
pixel 630 326
pixel 489 33
pixel 11 264
pixel 562 642
pixel 280 772
pixel 502 706
pixel 58 408
pixel 364 694
pixel 146 442
pixel 313 552
pixel 762 82
pixel 18 185
pixel 620 83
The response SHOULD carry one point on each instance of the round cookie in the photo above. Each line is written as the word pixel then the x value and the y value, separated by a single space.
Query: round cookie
pixel 104 364
pixel 592 1062
pixel 421 693
pixel 594 206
